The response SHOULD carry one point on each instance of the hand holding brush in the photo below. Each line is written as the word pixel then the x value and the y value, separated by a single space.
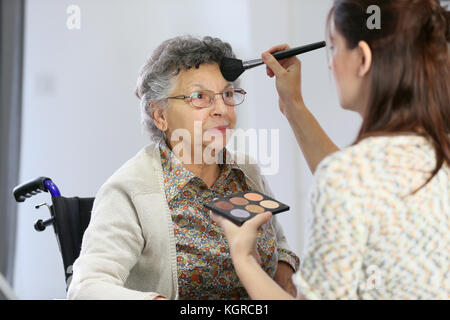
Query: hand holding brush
pixel 232 68
pixel 288 77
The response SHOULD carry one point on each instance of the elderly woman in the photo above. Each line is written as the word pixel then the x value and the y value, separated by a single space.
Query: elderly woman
pixel 150 236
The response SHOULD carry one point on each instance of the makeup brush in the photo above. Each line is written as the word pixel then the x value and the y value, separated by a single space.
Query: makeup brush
pixel 232 68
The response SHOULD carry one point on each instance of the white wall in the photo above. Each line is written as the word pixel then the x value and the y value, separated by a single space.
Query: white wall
pixel 81 118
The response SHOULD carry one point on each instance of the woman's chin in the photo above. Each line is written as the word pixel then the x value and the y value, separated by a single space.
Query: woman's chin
pixel 216 139
pixel 345 105
pixel 215 145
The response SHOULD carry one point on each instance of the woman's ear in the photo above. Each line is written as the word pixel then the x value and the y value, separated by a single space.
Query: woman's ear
pixel 159 116
pixel 366 58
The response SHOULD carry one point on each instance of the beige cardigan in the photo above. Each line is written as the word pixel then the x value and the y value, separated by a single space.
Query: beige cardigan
pixel 128 250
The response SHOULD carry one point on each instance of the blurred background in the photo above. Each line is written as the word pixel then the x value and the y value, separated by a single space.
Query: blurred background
pixel 68 110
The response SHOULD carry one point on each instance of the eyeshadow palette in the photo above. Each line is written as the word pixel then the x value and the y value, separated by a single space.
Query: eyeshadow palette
pixel 243 206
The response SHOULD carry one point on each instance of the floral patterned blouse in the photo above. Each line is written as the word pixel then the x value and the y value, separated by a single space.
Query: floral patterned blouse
pixel 369 236
pixel 205 270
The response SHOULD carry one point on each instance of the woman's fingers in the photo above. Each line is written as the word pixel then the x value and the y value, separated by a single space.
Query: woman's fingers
pixel 222 222
pixel 254 224
pixel 273 66
pixel 272 50
pixel 258 220
pixel 242 240
pixel 279 47
pixel 288 77
pixel 216 218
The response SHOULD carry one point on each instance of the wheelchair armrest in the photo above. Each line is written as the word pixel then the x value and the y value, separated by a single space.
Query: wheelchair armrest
pixel 33 187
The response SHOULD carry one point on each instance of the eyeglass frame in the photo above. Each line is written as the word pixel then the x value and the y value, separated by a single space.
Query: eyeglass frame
pixel 184 97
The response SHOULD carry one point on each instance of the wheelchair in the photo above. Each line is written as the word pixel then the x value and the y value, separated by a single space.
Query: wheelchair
pixel 68 216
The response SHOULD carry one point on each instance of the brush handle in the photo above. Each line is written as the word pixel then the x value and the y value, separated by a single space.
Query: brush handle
pixel 295 51
pixel 285 54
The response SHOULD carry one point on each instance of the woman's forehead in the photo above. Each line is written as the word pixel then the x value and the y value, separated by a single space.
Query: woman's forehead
pixel 206 77
pixel 206 87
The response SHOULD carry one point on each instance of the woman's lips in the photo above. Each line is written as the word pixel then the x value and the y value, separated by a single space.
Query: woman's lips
pixel 222 129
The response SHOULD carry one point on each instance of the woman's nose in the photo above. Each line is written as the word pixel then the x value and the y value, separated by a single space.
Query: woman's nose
pixel 218 106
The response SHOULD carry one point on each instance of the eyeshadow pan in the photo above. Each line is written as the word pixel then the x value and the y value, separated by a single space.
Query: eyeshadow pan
pixel 253 197
pixel 240 213
pixel 269 204
pixel 254 208
pixel 239 201
pixel 224 205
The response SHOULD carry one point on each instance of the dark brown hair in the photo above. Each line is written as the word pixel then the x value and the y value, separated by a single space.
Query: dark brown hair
pixel 410 72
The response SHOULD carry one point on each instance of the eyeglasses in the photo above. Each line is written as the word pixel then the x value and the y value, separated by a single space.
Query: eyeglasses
pixel 205 98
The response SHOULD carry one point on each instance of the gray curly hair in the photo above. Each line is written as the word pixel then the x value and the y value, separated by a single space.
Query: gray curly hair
pixel 173 55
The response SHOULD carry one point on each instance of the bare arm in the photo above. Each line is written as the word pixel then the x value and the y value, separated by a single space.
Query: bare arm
pixel 312 139
pixel 257 282
pixel 242 242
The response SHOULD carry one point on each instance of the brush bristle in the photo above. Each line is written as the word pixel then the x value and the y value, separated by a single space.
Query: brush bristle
pixel 231 68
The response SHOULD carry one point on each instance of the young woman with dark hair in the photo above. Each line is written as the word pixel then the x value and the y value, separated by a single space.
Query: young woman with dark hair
pixel 379 226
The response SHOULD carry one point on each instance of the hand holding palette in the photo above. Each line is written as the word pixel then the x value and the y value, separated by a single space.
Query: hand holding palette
pixel 243 206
